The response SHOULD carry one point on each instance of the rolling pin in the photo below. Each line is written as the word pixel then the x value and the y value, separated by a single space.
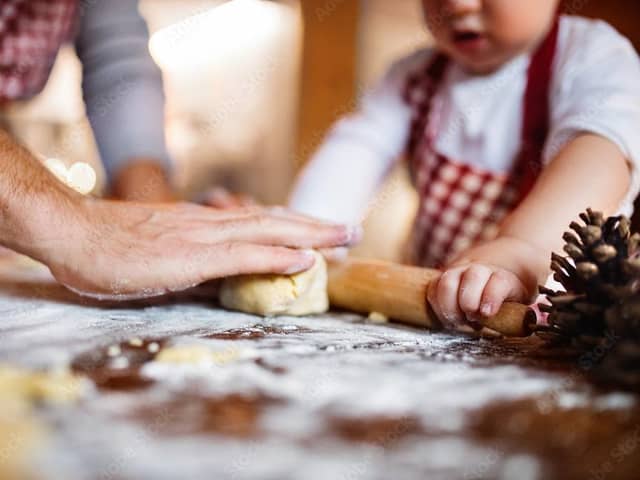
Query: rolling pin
pixel 399 292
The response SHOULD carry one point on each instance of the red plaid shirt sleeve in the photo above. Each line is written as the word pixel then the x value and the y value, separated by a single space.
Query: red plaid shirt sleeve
pixel 31 33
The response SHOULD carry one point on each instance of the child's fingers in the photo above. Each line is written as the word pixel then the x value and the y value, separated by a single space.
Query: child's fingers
pixel 472 285
pixel 502 285
pixel 443 297
pixel 432 299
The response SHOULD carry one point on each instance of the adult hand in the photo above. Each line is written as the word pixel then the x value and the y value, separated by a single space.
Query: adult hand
pixel 130 250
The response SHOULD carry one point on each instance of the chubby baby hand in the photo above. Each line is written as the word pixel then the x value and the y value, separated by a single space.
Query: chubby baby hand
pixel 477 283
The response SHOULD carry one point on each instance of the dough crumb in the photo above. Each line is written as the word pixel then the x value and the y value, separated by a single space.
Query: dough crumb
pixel 195 355
pixel 22 434
pixel 377 317
pixel 36 387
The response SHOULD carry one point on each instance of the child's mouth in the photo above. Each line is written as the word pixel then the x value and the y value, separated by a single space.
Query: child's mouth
pixel 469 41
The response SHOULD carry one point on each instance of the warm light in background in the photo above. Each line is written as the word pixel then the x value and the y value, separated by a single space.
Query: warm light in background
pixel 80 176
pixel 219 34
pixel 231 82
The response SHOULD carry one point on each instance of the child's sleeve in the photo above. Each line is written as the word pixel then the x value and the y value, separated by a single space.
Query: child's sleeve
pixel 597 91
pixel 344 174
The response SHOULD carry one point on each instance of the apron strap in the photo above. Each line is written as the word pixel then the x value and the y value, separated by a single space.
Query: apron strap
pixel 427 81
pixel 537 108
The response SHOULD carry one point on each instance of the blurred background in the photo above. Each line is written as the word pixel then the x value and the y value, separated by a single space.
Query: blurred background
pixel 249 109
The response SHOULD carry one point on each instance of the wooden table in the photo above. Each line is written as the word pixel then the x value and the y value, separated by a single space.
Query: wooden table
pixel 327 397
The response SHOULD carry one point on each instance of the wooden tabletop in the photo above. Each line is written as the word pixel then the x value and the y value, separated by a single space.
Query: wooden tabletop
pixel 331 396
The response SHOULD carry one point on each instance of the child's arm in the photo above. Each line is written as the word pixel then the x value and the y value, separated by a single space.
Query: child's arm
pixel 592 157
pixel 516 262
pixel 342 177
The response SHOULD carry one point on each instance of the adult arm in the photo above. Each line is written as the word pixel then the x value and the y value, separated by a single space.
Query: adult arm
pixel 127 250
pixel 124 97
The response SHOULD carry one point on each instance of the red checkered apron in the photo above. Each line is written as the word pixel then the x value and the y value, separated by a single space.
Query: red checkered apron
pixel 459 203
pixel 31 33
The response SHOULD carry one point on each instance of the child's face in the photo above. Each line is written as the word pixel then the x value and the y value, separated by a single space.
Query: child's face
pixel 482 35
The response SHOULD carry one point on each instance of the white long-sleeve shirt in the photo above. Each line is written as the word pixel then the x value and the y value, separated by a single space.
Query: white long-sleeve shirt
pixel 595 89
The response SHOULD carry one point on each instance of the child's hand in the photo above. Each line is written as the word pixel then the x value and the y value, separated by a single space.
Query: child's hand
pixel 219 197
pixel 477 283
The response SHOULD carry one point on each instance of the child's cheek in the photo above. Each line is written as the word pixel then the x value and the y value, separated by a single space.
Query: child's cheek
pixel 519 27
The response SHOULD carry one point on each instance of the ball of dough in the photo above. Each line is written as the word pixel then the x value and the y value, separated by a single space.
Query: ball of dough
pixel 304 293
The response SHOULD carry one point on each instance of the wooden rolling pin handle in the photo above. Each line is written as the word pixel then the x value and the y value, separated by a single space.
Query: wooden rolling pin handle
pixel 400 292
pixel 512 320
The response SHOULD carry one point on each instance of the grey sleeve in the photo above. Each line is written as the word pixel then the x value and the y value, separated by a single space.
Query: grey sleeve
pixel 122 86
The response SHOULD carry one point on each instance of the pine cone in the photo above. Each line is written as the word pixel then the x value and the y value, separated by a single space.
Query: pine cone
pixel 599 313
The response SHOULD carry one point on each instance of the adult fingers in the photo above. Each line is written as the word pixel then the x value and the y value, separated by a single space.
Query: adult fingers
pixel 244 258
pixel 284 212
pixel 335 255
pixel 266 229
pixel 182 271
pixel 207 215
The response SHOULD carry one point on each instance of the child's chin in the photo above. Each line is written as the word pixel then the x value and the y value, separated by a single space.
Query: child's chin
pixel 478 65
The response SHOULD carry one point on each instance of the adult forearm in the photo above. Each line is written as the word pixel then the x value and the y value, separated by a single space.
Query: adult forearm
pixel 122 86
pixel 37 210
